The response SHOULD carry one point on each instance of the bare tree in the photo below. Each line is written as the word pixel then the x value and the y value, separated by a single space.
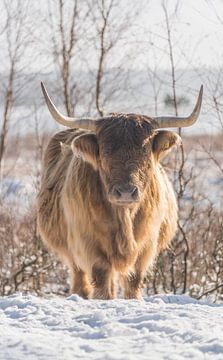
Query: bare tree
pixel 109 35
pixel 15 39
pixel 105 8
pixel 64 28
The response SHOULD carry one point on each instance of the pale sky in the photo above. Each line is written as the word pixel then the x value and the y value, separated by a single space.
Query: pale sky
pixel 196 29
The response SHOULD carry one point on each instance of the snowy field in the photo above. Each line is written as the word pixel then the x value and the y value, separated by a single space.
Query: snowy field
pixel 160 327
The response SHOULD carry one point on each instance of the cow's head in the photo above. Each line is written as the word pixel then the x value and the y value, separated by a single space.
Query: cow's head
pixel 124 148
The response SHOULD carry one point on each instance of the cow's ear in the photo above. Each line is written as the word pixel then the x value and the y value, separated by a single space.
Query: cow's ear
pixel 87 147
pixel 163 141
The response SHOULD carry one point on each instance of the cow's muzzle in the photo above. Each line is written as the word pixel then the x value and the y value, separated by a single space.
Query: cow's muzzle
pixel 124 195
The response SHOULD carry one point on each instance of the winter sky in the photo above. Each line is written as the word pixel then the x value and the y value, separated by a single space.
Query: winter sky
pixel 196 30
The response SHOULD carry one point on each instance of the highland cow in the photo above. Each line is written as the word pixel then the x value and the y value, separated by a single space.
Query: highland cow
pixel 106 206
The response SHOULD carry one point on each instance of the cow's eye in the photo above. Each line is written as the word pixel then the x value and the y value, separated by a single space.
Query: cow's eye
pixel 166 146
pixel 146 149
pixel 107 152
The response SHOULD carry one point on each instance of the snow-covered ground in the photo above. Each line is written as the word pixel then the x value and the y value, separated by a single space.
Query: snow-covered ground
pixel 160 327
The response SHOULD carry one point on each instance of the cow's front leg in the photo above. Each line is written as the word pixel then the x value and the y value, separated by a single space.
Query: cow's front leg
pixel 133 282
pixel 103 282
pixel 132 285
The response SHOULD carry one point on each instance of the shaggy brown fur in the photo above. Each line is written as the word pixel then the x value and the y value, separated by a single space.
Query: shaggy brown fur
pixel 80 217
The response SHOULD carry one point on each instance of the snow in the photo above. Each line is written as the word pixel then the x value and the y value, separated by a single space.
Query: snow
pixel 166 327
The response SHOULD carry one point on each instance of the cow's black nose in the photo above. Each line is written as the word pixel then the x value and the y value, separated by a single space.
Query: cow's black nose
pixel 126 193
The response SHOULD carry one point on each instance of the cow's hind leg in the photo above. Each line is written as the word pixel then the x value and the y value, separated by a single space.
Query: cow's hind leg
pixel 80 283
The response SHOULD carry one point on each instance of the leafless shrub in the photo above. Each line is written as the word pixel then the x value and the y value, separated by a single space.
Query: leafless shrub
pixel 25 263
pixel 193 264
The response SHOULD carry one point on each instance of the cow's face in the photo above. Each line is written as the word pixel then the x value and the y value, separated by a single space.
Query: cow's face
pixel 125 151
pixel 125 159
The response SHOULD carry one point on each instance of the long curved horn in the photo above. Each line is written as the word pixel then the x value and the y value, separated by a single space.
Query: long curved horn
pixel 86 123
pixel 177 121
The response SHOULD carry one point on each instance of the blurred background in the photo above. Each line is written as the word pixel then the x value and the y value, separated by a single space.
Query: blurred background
pixel 101 56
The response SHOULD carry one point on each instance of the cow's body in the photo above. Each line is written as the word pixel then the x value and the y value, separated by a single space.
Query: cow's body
pixel 78 222
pixel 106 205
